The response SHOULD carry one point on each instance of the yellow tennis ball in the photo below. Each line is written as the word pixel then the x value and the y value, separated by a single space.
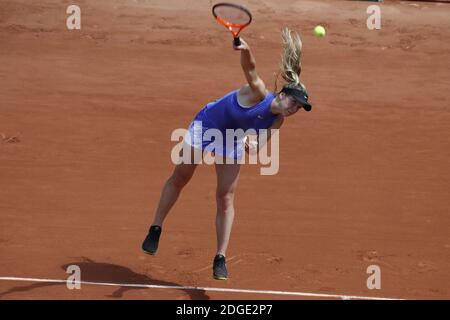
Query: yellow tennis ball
pixel 319 31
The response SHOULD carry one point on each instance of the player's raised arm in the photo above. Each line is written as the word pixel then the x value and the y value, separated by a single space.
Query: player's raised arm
pixel 248 64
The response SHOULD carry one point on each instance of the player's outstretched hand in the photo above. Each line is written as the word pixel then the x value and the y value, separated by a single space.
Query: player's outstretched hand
pixel 242 46
pixel 251 146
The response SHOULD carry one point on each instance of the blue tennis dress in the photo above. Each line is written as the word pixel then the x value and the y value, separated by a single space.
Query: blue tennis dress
pixel 222 125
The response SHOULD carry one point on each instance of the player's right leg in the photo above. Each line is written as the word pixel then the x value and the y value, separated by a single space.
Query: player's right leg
pixel 172 188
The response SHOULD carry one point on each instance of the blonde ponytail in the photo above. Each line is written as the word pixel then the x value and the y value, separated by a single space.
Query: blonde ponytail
pixel 290 66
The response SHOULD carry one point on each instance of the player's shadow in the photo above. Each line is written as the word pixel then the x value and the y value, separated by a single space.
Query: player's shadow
pixel 101 272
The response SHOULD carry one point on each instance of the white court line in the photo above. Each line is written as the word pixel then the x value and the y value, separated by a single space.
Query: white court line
pixel 287 293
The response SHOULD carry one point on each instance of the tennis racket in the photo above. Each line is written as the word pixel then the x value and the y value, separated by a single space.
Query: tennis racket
pixel 233 17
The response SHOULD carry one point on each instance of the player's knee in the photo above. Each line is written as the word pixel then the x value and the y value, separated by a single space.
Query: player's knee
pixel 225 198
pixel 179 180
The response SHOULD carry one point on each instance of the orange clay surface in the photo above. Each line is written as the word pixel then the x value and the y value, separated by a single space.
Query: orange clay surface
pixel 86 117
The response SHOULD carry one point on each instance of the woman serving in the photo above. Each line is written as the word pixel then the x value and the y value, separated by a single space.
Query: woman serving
pixel 250 107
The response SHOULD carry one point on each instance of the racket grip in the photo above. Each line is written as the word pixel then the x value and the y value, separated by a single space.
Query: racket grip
pixel 237 41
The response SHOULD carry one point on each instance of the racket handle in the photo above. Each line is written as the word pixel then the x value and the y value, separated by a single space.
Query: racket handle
pixel 237 41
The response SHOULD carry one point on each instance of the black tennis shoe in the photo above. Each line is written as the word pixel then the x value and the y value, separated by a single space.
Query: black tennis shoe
pixel 220 268
pixel 150 244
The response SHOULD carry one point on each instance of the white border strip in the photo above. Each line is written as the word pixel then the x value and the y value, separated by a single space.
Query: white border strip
pixel 151 286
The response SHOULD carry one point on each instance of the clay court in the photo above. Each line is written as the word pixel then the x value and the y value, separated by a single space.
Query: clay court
pixel 86 117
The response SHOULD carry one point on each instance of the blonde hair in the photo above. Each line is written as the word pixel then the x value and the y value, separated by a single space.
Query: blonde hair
pixel 290 66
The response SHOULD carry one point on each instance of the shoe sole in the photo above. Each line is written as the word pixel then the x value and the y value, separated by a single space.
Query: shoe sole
pixel 150 253
pixel 220 278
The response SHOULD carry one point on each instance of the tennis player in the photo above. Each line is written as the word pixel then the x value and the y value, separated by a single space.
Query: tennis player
pixel 252 106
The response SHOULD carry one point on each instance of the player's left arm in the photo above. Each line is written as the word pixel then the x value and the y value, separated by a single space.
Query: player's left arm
pixel 264 136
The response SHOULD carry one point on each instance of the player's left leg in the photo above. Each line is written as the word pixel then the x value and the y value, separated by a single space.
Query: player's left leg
pixel 227 178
